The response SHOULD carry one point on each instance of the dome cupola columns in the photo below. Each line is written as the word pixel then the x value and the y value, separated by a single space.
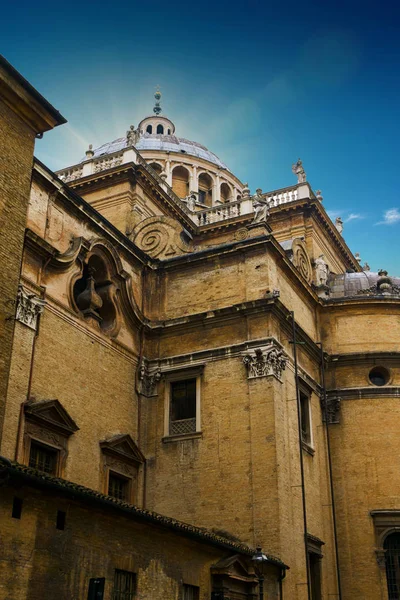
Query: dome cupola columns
pixel 156 124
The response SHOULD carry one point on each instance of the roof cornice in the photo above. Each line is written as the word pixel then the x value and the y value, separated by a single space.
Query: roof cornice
pixel 26 101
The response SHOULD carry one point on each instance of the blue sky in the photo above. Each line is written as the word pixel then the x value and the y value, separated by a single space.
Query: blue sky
pixel 260 83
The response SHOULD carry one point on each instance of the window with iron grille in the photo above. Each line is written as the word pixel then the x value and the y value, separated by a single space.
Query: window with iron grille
pixel 392 558
pixel 190 592
pixel 124 585
pixel 118 486
pixel 182 408
pixel 43 458
pixel 305 418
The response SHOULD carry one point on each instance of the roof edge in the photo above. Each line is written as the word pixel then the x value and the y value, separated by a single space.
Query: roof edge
pixel 38 479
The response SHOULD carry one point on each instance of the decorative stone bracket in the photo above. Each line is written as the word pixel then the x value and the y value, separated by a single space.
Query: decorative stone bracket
pixel 29 307
pixel 380 554
pixel 148 380
pixel 264 363
pixel 332 410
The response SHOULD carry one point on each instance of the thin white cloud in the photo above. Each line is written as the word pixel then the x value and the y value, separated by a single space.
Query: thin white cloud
pixel 390 217
pixel 353 217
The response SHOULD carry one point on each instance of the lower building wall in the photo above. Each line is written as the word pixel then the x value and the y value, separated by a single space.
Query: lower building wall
pixel 38 561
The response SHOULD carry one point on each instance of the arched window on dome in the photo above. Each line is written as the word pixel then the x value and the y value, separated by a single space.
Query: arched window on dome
pixel 180 181
pixel 169 132
pixel 225 193
pixel 160 129
pixel 149 128
pixel 205 189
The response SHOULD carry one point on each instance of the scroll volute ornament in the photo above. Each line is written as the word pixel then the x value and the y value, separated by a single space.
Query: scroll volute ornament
pixel 160 237
pixel 301 259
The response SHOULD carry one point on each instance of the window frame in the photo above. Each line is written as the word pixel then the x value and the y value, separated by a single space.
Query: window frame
pixel 128 480
pixel 171 378
pixel 307 440
pixel 124 596
pixel 188 587
pixel 56 450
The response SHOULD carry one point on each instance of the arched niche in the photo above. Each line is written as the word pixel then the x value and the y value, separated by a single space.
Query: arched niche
pixel 156 167
pixel 205 189
pixel 94 292
pixel 180 181
pixel 225 193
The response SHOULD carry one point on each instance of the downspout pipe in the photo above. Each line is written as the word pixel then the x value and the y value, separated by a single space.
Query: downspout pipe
pixel 300 440
pixel 328 446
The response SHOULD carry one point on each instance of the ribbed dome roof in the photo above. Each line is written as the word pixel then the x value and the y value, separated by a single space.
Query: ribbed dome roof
pixel 167 143
pixel 357 284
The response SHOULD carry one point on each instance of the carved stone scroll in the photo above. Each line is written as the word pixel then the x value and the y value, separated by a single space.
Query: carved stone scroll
pixel 29 307
pixel 264 363
pixel 160 237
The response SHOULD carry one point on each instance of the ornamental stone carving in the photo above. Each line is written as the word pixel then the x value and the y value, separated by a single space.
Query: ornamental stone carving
pixel 160 237
pixel 299 256
pixel 265 362
pixel 29 307
pixel 380 554
pixel 383 287
pixel 332 410
pixel 148 380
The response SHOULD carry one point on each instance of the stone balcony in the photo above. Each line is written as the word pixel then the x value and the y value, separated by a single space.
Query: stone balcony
pixel 198 213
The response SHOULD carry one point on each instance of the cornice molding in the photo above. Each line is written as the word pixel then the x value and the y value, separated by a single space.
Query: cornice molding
pixel 361 393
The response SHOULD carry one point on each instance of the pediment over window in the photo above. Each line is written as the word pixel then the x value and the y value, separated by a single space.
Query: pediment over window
pixel 123 447
pixel 234 567
pixel 50 414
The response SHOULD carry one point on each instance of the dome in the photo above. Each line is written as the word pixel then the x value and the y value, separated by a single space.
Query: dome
pixel 166 143
pixel 366 283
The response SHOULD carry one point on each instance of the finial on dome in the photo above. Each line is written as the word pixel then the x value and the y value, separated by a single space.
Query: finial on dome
pixel 157 108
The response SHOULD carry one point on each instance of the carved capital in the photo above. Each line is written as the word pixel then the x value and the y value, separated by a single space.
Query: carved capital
pixel 263 363
pixel 332 410
pixel 148 380
pixel 29 307
pixel 380 555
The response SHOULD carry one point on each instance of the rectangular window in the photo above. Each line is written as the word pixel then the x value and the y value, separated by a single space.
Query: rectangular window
pixel 118 486
pixel 124 585
pixel 202 196
pixel 190 592
pixel 43 458
pixel 16 508
pixel 182 408
pixel 305 418
pixel 60 521
pixel 96 588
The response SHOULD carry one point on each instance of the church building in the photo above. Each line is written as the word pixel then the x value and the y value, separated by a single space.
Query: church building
pixel 200 383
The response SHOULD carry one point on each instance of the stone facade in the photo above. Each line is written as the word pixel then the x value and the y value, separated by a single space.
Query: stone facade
pixel 161 367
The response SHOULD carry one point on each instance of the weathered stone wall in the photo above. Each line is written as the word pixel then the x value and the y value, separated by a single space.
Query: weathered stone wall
pixel 16 152
pixel 59 563
pixel 365 440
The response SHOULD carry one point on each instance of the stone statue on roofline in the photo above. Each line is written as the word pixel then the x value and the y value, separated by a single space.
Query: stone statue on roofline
pixel 321 270
pixel 339 225
pixel 261 207
pixel 132 136
pixel 299 171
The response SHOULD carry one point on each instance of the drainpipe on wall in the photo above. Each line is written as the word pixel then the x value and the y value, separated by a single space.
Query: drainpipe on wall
pixel 300 438
pixel 328 446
